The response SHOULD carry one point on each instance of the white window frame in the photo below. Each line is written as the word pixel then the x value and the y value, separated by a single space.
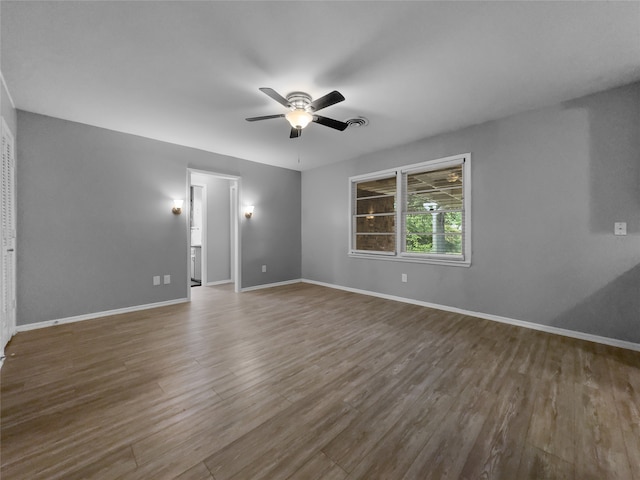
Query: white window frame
pixel 365 178
pixel 463 260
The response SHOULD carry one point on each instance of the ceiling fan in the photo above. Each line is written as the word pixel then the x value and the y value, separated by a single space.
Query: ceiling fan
pixel 303 110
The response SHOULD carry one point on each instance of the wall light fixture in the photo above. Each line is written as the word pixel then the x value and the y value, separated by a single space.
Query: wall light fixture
pixel 248 211
pixel 177 206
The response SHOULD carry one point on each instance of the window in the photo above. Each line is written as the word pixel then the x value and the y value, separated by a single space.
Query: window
pixel 433 213
pixel 374 221
pixel 416 213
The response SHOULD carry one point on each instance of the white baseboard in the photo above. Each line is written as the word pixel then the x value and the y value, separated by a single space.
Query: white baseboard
pixel 487 316
pixel 271 285
pixel 219 282
pixel 91 316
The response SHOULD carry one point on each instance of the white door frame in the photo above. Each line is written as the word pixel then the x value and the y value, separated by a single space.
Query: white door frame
pixel 203 248
pixel 8 239
pixel 235 240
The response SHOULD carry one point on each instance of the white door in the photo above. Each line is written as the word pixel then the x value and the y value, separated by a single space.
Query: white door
pixel 8 236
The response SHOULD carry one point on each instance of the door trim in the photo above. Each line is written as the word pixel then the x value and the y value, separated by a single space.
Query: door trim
pixel 235 240
pixel 8 259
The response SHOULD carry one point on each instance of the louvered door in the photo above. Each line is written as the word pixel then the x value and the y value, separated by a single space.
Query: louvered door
pixel 8 236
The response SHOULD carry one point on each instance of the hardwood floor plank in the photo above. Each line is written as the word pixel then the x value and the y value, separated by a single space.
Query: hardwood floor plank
pixel 319 467
pixel 552 426
pixel 354 443
pixel 197 472
pixel 532 352
pixel 600 446
pixel 306 382
pixel 625 376
pixel 80 432
pixel 212 425
pixel 446 451
pixel 305 420
pixel 109 466
pixel 537 464
pixel 497 451
pixel 398 448
pixel 284 462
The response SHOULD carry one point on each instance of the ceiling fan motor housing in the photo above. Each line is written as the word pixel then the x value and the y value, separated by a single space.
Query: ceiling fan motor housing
pixel 299 100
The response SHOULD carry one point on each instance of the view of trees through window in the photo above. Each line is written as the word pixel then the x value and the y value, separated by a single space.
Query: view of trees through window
pixel 433 211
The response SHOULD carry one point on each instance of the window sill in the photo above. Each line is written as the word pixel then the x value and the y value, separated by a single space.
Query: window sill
pixel 412 259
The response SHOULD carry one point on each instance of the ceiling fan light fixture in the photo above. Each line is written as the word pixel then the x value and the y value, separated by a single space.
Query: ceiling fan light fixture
pixel 299 118
pixel 302 110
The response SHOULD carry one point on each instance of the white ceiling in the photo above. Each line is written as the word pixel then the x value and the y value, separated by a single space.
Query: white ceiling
pixel 189 72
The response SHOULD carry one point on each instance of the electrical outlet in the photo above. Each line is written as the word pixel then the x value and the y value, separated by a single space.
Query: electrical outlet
pixel 404 278
pixel 264 269
pixel 167 279
pixel 620 228
pixel 156 280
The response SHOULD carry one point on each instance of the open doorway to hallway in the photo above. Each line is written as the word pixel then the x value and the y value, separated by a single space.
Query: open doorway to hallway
pixel 213 229
pixel 197 197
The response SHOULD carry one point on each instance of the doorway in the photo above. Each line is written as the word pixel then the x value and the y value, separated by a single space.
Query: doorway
pixel 213 229
pixel 197 200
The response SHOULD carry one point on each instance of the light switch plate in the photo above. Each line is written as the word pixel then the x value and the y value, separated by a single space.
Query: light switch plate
pixel 620 228
pixel 156 280
pixel 167 279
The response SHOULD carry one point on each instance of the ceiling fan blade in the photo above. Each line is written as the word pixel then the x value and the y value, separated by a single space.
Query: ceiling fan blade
pixel 326 101
pixel 265 117
pixel 276 96
pixel 295 132
pixel 330 122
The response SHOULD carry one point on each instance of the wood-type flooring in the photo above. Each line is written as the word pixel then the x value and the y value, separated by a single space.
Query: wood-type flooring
pixel 307 382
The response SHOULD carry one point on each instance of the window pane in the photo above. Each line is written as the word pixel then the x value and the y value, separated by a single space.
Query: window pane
pixel 451 243
pixel 446 244
pixel 376 205
pixel 374 224
pixel 449 222
pixel 379 243
pixel 421 223
pixel 435 179
pixel 448 199
pixel 435 203
pixel 453 222
pixel 381 224
pixel 373 188
pixel 419 243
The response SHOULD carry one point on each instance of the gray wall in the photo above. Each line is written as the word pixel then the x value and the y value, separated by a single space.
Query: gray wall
pixel 95 222
pixel 547 187
pixel 218 230
pixel 272 236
